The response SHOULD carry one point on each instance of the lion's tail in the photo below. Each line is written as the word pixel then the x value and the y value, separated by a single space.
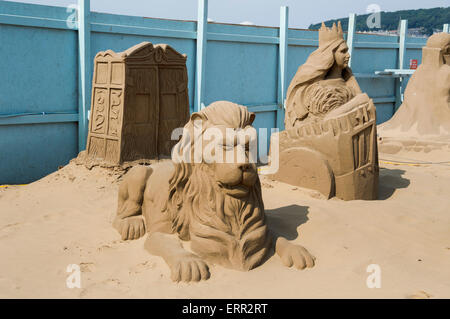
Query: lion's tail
pixel 129 208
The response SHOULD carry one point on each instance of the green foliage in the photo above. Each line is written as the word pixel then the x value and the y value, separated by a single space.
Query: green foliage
pixel 427 19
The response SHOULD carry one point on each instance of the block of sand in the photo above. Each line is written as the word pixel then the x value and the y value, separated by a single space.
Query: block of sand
pixel 422 123
pixel 139 97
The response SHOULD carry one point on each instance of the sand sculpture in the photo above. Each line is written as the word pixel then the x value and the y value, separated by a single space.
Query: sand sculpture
pixel 218 207
pixel 139 97
pixel 330 139
pixel 423 120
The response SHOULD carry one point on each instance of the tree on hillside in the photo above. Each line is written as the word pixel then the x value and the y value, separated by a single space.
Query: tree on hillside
pixel 427 19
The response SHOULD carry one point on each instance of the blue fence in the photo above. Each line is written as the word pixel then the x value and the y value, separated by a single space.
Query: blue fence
pixel 46 70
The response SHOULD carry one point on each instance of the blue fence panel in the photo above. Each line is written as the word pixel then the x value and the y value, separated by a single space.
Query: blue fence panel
pixel 39 65
pixel 30 152
pixel 39 69
pixel 242 67
pixel 241 72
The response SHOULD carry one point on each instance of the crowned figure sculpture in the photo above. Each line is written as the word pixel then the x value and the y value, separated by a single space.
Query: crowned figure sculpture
pixel 330 139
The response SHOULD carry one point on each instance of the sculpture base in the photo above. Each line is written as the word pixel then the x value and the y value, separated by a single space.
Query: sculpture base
pixel 337 157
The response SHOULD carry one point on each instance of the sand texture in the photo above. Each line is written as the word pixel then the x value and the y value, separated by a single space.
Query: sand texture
pixel 65 218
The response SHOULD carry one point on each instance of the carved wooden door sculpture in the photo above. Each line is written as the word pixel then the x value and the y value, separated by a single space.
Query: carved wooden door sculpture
pixel 138 98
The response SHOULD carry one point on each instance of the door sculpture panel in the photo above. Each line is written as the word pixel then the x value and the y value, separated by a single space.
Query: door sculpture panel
pixel 139 97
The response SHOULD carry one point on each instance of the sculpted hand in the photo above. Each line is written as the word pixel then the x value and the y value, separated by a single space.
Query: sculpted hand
pixel 358 100
pixel 294 255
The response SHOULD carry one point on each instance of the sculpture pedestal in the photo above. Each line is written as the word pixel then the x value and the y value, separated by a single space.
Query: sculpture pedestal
pixel 337 157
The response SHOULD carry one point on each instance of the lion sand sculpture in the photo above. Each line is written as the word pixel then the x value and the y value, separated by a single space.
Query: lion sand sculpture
pixel 329 144
pixel 218 207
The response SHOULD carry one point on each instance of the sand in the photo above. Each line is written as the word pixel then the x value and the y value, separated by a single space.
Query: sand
pixel 65 218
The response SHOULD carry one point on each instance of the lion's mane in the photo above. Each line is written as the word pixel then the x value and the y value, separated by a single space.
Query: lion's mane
pixel 221 228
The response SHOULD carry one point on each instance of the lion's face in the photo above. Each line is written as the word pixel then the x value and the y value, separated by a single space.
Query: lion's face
pixel 228 157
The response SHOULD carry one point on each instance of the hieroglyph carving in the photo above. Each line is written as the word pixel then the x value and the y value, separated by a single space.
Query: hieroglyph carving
pixel 138 98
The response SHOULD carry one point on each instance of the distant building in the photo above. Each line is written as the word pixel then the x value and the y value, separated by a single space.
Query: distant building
pixel 414 32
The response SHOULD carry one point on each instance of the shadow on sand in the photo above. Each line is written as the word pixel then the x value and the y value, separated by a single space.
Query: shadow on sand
pixel 390 180
pixel 284 222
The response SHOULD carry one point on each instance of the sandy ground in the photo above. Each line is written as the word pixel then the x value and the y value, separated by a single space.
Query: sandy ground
pixel 66 217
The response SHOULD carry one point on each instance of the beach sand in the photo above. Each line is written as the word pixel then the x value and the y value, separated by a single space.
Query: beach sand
pixel 65 218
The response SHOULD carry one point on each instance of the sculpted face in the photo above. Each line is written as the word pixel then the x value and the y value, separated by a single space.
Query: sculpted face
pixel 341 56
pixel 235 180
pixel 234 171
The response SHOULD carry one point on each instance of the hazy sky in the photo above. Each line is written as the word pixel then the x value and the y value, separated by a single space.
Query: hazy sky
pixel 259 12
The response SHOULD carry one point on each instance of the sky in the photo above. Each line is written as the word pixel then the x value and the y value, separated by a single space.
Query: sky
pixel 259 12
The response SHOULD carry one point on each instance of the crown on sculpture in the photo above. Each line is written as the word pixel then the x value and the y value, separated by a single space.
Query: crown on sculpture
pixel 327 35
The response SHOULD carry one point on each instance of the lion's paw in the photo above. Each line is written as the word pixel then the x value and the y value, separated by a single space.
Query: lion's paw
pixel 130 228
pixel 297 256
pixel 189 268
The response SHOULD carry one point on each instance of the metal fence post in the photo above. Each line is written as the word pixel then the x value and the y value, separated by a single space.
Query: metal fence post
pixel 401 63
pixel 85 69
pixel 282 64
pixel 402 44
pixel 351 36
pixel 202 26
